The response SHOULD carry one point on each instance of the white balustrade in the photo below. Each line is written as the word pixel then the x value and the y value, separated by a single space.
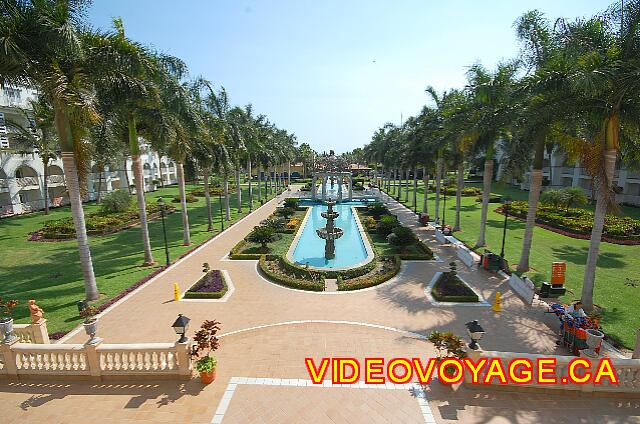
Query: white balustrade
pixel 151 357
pixel 27 181
pixel 98 361
pixel 627 371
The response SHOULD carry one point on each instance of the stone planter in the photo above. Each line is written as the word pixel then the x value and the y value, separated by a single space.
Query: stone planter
pixel 91 328
pixel 6 327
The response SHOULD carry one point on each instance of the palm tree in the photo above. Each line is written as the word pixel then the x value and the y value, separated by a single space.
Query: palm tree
pixel 218 104
pixel 603 54
pixel 39 137
pixel 42 48
pixel 491 96
pixel 124 72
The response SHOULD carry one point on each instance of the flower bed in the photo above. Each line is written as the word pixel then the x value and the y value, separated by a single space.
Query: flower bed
pixel 450 288
pixel 212 285
pixel 97 224
pixel 578 223
pixel 385 269
pixel 272 267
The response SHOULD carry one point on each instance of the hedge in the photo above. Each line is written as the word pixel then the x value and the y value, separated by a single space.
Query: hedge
pixel 368 280
pixel 426 256
pixel 458 289
pixel 235 252
pixel 578 221
pixel 189 294
pixel 286 280
pixel 97 223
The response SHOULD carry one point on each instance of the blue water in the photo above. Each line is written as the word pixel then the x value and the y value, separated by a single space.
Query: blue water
pixel 350 249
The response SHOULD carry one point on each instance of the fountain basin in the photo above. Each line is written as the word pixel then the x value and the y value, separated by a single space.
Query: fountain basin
pixel 352 249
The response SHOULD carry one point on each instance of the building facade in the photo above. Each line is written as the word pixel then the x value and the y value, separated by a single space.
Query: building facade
pixel 22 173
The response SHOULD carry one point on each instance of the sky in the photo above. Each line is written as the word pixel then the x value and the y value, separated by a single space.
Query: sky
pixel 332 71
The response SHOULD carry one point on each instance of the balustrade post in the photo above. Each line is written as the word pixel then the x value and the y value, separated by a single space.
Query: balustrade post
pixel 9 358
pixel 636 351
pixel 185 367
pixel 474 355
pixel 93 359
pixel 40 333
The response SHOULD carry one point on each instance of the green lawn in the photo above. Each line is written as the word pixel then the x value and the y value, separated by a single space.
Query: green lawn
pixel 50 271
pixel 615 264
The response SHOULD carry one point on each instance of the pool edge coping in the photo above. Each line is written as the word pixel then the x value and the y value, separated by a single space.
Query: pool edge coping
pixel 363 236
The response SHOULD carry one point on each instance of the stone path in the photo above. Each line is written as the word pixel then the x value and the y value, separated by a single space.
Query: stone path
pixel 271 329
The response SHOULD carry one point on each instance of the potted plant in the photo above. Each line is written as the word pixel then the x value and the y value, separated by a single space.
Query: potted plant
pixel 448 345
pixel 90 322
pixel 6 322
pixel 206 343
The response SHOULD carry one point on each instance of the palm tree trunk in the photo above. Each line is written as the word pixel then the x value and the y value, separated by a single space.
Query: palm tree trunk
pixel 406 188
pixel 186 235
pixel 259 182
pixel 227 203
pixel 207 198
pixel 126 176
pixel 271 181
pixel 250 186
pixel 73 188
pixel 610 155
pixel 142 206
pixel 288 173
pixel 415 189
pixel 98 197
pixel 439 165
pixel 161 174
pixel 425 179
pixel 459 187
pixel 45 184
pixel 238 190
pixel 486 192
pixel 534 195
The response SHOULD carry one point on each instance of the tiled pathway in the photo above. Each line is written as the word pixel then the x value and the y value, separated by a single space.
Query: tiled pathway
pixel 387 321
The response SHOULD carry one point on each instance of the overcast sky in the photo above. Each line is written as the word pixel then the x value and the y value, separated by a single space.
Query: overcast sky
pixel 332 71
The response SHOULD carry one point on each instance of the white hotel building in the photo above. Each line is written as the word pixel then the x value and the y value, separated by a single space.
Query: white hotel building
pixel 22 174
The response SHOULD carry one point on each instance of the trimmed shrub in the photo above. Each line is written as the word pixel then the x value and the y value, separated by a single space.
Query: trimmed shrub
pixel 271 266
pixel 386 225
pixel 212 285
pixel 388 268
pixel 189 198
pixel 401 237
pixel 277 224
pixel 291 202
pixel 450 288
pixel 116 201
pixel 262 235
pixel 376 209
pixel 285 212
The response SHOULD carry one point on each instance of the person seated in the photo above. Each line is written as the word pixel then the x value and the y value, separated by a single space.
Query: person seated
pixel 576 310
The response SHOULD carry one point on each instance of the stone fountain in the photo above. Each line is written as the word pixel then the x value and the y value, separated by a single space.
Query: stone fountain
pixel 330 233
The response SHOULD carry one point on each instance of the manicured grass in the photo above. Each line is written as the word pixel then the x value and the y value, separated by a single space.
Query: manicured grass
pixel 383 248
pixel 615 263
pixel 50 271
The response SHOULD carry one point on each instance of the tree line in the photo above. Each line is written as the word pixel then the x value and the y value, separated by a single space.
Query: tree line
pixel 100 92
pixel 574 88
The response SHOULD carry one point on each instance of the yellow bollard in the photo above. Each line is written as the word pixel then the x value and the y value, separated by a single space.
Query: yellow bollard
pixel 176 292
pixel 497 304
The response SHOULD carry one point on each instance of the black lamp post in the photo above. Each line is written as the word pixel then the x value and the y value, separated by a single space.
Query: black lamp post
pixel 476 332
pixel 506 203
pixel 180 326
pixel 221 213
pixel 164 230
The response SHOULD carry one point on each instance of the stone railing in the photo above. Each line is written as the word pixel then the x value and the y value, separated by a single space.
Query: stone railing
pixel 96 361
pixel 55 179
pixel 627 370
pixel 30 333
pixel 27 181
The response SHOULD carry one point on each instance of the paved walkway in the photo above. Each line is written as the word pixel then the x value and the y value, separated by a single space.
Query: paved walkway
pixel 269 333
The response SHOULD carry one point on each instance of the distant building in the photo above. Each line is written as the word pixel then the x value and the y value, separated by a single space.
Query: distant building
pixel 22 174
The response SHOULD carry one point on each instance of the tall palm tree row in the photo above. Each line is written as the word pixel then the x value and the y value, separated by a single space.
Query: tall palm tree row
pixel 99 94
pixel 574 90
